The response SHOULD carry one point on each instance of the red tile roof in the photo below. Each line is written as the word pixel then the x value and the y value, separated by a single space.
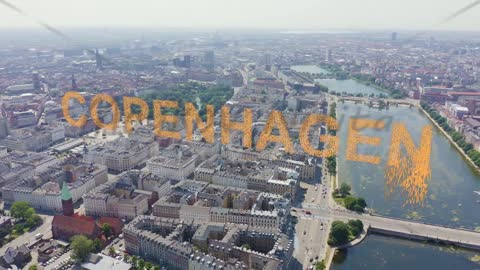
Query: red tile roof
pixel 85 218
pixel 75 224
pixel 116 223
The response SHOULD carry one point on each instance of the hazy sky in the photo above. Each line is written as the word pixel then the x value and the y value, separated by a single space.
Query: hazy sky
pixel 284 14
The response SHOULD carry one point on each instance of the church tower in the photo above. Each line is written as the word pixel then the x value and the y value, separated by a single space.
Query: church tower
pixel 67 203
pixel 74 83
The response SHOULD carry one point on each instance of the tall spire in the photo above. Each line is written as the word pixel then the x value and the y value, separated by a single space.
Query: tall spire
pixel 74 83
pixel 66 195
pixel 67 203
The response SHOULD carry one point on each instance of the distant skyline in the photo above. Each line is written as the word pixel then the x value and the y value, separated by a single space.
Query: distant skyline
pixel 259 14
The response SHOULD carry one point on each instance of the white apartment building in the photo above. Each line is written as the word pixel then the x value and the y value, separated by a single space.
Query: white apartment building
pixel 177 168
pixel 122 154
pixel 46 196
pixel 96 204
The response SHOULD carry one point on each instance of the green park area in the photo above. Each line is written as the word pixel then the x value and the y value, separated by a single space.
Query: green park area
pixel 198 94
pixel 342 195
pixel 342 233
pixel 24 219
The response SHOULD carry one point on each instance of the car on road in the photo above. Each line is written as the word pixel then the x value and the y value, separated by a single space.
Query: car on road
pixel 308 212
pixel 294 210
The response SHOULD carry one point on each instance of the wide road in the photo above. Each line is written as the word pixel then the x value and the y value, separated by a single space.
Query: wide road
pixel 312 234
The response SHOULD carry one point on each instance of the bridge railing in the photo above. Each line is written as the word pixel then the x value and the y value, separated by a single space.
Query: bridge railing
pixel 425 223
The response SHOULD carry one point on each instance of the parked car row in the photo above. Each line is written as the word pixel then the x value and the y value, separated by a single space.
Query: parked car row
pixel 54 258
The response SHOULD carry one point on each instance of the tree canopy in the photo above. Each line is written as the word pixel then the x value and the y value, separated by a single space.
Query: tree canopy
pixel 320 265
pixel 111 251
pixel 356 227
pixel 332 165
pixel 21 210
pixel 355 204
pixel 199 94
pixel 345 189
pixel 457 137
pixel 81 247
pixel 339 233
pixel 97 245
pixel 106 230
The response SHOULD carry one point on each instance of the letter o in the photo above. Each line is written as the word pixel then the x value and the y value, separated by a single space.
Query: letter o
pixel 66 98
pixel 115 111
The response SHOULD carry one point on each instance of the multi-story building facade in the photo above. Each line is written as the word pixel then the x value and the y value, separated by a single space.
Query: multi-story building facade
pixel 124 154
pixel 174 163
pixel 265 209
pixel 220 245
pixel 43 191
pixel 116 199
pixel 248 175
pixel 34 139
pixel 305 167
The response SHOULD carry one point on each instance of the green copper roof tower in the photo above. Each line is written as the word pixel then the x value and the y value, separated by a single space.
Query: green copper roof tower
pixel 67 202
pixel 66 195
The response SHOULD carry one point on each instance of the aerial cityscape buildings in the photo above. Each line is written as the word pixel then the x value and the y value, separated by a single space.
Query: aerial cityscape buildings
pixel 86 197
